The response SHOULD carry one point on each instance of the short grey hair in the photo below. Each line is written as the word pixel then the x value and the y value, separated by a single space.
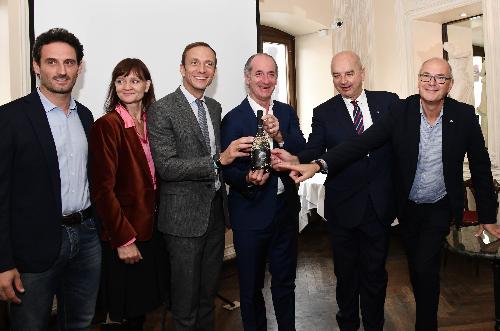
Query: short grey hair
pixel 248 65
pixel 439 59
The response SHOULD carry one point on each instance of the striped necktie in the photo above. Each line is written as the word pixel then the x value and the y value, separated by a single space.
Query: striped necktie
pixel 357 118
pixel 202 120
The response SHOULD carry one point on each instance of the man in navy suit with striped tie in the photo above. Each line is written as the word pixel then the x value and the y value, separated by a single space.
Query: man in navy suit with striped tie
pixel 359 201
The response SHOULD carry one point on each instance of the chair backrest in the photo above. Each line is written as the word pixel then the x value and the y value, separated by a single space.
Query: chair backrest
pixel 468 185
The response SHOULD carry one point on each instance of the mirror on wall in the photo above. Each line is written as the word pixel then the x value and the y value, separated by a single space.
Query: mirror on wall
pixel 463 47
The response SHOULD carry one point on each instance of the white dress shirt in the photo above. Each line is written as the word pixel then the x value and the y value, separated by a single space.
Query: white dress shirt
pixel 363 105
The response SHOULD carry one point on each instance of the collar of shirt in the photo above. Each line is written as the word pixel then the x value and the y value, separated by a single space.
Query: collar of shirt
pixel 255 106
pixel 190 98
pixel 48 106
pixel 126 117
pixel 425 118
pixel 363 105
pixel 361 100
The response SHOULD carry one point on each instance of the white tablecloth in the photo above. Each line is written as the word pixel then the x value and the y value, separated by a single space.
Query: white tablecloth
pixel 312 196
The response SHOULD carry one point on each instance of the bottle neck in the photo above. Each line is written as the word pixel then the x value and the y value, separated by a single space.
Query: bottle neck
pixel 260 127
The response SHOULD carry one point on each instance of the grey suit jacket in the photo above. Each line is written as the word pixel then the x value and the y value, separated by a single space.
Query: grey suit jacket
pixel 183 164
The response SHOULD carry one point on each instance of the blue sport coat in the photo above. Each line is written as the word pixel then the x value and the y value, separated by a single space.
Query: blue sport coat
pixel 252 208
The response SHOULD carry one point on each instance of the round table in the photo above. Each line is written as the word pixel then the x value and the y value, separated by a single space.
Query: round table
pixel 463 241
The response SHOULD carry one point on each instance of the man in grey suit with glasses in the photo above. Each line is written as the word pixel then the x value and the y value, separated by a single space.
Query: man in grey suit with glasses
pixel 184 133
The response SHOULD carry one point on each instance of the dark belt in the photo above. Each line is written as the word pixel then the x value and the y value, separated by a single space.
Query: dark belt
pixel 77 218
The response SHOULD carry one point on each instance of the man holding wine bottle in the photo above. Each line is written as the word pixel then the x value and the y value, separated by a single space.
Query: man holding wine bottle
pixel 263 204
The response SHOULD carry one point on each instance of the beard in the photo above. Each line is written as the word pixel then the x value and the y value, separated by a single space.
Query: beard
pixel 54 88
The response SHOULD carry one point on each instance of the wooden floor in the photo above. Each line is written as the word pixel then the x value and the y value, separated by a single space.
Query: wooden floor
pixel 466 302
pixel 466 299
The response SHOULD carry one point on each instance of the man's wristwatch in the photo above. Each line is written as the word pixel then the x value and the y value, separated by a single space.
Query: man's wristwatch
pixel 323 167
pixel 217 163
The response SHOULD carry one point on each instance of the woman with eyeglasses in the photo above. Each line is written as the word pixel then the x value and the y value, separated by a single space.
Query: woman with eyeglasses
pixel 124 192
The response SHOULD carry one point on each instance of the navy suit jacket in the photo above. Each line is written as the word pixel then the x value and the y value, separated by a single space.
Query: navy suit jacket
pixel 347 192
pixel 30 186
pixel 254 208
pixel 461 135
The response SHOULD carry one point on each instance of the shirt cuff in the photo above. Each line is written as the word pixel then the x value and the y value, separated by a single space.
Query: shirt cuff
pixel 323 166
pixel 128 243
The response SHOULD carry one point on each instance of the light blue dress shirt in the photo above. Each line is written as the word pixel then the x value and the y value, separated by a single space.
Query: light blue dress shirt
pixel 428 185
pixel 72 152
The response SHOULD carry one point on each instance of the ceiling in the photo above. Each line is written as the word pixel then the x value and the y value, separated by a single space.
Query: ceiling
pixel 292 24
pixel 476 25
pixel 454 14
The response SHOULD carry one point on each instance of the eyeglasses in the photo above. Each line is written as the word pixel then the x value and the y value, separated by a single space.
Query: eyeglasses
pixel 440 79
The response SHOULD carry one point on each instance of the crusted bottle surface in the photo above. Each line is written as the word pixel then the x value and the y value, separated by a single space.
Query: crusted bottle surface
pixel 261 150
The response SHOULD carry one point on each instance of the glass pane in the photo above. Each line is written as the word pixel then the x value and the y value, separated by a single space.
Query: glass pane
pixel 477 63
pixel 279 53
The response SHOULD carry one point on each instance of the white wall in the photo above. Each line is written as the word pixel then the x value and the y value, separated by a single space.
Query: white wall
pixel 427 43
pixel 386 50
pixel 19 57
pixel 314 80
pixel 4 53
pixel 110 32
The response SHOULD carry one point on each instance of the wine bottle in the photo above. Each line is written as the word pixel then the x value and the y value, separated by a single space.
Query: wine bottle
pixel 261 150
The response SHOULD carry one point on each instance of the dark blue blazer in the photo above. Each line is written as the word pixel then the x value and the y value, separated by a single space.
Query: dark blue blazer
pixel 252 208
pixel 30 186
pixel 347 192
pixel 401 128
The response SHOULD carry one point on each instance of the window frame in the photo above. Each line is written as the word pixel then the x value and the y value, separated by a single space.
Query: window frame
pixel 273 35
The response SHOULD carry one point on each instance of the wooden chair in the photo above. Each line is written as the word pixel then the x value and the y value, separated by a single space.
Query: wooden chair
pixel 470 216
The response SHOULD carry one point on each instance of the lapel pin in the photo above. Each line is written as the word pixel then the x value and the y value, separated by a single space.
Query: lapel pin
pixel 451 121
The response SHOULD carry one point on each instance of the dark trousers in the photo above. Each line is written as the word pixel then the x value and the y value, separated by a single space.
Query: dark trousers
pixel 195 264
pixel 424 228
pixel 278 244
pixel 359 256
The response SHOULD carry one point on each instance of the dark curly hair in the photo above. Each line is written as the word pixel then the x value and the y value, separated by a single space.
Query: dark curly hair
pixel 55 35
pixel 124 68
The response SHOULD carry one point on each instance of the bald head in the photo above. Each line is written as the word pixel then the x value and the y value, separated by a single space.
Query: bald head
pixel 347 56
pixel 348 74
pixel 438 61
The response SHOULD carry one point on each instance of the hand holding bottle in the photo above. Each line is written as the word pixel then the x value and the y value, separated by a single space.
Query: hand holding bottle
pixel 257 177
pixel 238 148
pixel 280 156
pixel 272 127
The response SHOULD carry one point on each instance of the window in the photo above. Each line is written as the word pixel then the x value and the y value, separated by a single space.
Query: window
pixel 281 46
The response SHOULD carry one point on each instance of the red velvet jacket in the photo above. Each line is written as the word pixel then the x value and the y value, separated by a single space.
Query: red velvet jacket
pixel 122 189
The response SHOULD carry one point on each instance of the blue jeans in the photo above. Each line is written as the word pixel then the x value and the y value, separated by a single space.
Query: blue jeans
pixel 73 279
